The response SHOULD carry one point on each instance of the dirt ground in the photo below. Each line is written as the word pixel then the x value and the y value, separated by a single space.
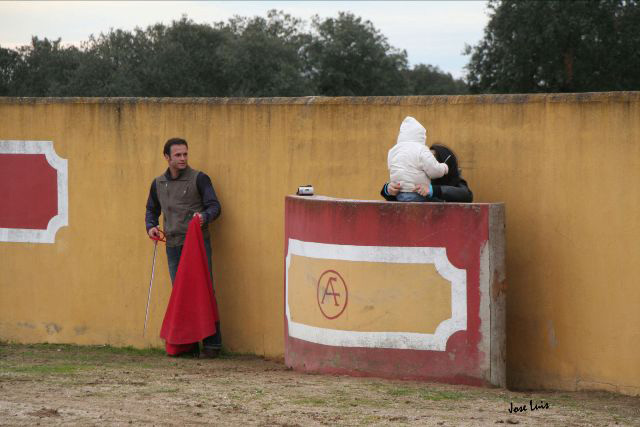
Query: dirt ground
pixel 61 384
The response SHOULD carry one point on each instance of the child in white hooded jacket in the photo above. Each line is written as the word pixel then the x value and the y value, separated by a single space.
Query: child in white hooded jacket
pixel 411 162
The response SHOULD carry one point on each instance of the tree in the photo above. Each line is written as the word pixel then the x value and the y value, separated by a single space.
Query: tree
pixel 111 65
pixel 557 46
pixel 244 57
pixel 348 56
pixel 180 60
pixel 44 68
pixel 185 59
pixel 9 60
pixel 263 58
pixel 430 80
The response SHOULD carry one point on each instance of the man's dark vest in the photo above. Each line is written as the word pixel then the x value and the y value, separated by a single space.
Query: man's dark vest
pixel 179 200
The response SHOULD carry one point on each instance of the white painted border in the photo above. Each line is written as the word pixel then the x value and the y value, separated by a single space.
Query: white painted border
pixel 62 218
pixel 390 254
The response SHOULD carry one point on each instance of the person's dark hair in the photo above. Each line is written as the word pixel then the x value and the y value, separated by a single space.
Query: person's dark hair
pixel 171 142
pixel 453 176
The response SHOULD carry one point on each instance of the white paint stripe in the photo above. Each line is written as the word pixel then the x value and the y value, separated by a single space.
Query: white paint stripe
pixel 387 254
pixel 485 313
pixel 60 165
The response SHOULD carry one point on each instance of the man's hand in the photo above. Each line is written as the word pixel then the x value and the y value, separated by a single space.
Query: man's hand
pixel 154 233
pixel 199 215
pixel 393 188
pixel 422 190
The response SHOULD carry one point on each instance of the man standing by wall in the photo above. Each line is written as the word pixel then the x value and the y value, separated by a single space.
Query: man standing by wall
pixel 179 194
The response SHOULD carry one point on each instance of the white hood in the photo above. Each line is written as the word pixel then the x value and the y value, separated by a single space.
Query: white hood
pixel 410 160
pixel 412 131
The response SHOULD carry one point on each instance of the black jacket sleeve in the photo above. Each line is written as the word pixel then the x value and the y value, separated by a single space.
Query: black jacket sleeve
pixel 387 197
pixel 460 193
pixel 210 201
pixel 153 207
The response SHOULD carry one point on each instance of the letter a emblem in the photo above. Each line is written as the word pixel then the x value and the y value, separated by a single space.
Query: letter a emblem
pixel 332 293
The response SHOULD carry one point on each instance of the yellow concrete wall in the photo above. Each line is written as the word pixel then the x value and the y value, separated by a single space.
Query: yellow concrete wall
pixel 567 167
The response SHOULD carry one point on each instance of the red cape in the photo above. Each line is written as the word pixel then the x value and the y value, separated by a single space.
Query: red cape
pixel 192 311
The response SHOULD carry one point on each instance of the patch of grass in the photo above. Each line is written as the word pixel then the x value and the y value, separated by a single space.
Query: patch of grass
pixel 168 390
pixel 311 401
pixel 437 395
pixel 371 419
pixel 339 392
pixel 500 397
pixel 128 350
pixel 78 350
pixel 362 402
pixel 397 392
pixel 425 394
pixel 45 369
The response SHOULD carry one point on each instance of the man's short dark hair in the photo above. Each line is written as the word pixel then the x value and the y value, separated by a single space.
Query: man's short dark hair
pixel 170 143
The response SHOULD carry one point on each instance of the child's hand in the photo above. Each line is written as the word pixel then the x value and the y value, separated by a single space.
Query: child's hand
pixel 393 188
pixel 422 190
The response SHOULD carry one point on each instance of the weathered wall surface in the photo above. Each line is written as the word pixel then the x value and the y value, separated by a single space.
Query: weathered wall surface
pixel 567 168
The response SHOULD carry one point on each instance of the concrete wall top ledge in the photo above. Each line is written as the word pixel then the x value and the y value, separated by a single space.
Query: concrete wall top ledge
pixel 318 198
pixel 587 97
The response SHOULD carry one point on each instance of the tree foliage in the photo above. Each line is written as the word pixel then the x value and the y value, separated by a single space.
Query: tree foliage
pixel 9 61
pixel 348 56
pixel 272 56
pixel 264 56
pixel 557 46
pixel 43 68
pixel 430 80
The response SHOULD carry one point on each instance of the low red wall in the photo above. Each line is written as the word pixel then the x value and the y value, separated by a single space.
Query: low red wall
pixel 397 290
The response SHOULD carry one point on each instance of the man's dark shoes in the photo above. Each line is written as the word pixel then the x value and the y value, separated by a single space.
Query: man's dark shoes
pixel 209 353
pixel 193 353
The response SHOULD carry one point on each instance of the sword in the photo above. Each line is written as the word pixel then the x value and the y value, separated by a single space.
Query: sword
pixel 160 237
pixel 153 270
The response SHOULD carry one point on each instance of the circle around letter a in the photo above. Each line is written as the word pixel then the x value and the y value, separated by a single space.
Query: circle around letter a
pixel 332 294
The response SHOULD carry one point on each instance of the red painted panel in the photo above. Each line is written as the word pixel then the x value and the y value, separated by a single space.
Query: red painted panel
pixel 28 191
pixel 460 228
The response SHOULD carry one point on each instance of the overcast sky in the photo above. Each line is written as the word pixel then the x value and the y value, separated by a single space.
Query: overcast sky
pixel 432 32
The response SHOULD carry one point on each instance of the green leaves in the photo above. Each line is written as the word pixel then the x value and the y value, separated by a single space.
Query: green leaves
pixel 430 80
pixel 557 46
pixel 349 57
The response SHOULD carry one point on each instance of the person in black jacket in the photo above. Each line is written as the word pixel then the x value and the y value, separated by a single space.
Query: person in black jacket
pixel 449 188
